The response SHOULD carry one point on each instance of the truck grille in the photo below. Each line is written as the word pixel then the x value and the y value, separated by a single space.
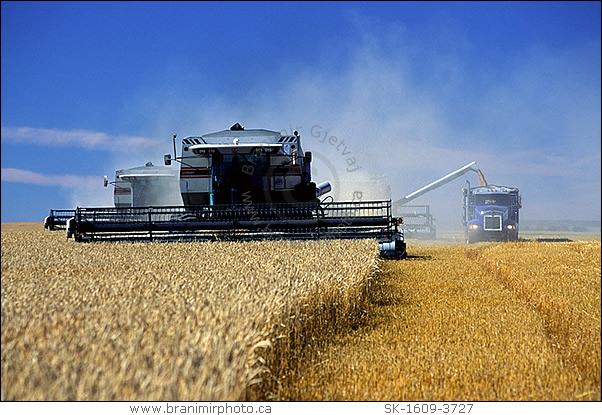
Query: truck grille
pixel 492 223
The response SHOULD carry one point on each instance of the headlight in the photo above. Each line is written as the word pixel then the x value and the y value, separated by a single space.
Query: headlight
pixel 473 226
pixel 510 227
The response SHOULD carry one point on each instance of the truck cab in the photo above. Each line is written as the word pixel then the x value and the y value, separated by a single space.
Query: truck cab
pixel 491 213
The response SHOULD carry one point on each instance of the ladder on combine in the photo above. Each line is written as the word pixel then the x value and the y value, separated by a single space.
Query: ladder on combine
pixel 334 220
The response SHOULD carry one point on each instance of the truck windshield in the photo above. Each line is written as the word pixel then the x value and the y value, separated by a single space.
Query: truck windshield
pixel 244 158
pixel 492 199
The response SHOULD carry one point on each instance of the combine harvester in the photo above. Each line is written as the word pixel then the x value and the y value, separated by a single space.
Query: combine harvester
pixel 242 184
pixel 142 186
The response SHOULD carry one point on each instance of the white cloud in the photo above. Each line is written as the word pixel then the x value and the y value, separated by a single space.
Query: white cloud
pixel 59 180
pixel 86 139
pixel 82 190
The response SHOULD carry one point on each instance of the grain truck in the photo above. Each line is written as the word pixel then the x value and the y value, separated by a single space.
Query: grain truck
pixel 490 213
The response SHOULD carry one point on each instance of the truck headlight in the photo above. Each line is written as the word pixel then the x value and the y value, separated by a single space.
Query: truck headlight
pixel 473 226
pixel 510 227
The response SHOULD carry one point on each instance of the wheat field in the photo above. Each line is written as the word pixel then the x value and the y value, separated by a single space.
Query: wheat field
pixel 489 322
pixel 174 321
pixel 300 321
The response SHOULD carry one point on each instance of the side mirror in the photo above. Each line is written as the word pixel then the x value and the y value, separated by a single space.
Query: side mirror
pixel 106 181
pixel 167 159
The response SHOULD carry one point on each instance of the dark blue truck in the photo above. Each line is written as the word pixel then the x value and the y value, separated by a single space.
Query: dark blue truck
pixel 490 213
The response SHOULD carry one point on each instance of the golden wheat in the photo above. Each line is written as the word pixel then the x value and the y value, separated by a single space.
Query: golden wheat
pixel 564 288
pixel 494 322
pixel 280 320
pixel 179 321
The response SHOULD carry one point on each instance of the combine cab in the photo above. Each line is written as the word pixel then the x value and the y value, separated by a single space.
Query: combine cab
pixel 242 184
pixel 239 166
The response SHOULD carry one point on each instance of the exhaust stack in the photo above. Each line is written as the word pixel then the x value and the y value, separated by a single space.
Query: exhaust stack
pixel 323 188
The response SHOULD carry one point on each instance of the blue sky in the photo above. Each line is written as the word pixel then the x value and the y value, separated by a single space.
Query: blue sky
pixel 413 90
